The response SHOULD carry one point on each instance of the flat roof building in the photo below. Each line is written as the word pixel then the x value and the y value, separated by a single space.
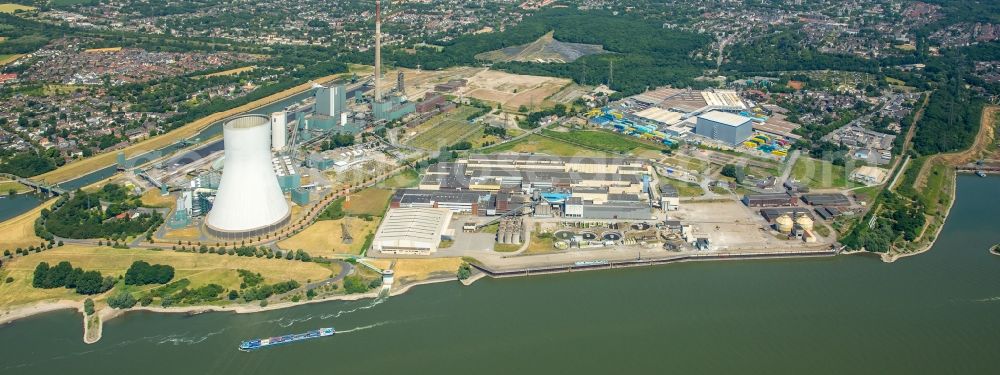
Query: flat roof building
pixel 412 231
pixel 724 127
pixel 454 200
pixel 769 200
pixel 826 199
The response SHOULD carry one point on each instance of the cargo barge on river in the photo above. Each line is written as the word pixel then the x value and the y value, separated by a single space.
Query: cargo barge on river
pixel 251 345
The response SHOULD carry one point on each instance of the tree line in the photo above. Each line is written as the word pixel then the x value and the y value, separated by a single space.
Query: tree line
pixel 64 275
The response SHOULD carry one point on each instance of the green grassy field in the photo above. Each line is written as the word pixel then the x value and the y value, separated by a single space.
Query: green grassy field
pixel 934 195
pixel 538 144
pixel 602 140
pixel 685 189
pixel 820 174
pixel 446 129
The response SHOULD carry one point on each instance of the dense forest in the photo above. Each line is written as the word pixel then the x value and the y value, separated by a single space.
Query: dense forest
pixel 786 50
pixel 103 214
pixel 27 164
pixel 949 123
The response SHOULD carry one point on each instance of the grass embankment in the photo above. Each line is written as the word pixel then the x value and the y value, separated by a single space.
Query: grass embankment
pixel 325 238
pixel 200 269
pixel 931 181
pixel 6 186
pixel 84 166
pixel 415 270
pixel 537 144
pixel 446 129
pixel 20 230
pixel 820 174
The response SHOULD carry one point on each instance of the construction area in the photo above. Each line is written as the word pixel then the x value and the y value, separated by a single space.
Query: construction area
pixel 509 90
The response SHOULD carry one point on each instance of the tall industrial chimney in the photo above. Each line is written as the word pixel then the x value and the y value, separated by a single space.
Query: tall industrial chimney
pixel 378 51
pixel 249 202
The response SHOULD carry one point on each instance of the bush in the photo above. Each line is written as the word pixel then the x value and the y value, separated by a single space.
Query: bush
pixel 354 284
pixel 122 300
pixel 9 279
pixel 88 306
pixel 142 273
pixel 464 271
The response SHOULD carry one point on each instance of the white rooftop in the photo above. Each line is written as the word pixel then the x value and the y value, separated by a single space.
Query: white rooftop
pixel 416 228
pixel 724 118
pixel 660 115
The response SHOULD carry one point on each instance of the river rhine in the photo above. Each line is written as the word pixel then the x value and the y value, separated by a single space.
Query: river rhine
pixel 935 313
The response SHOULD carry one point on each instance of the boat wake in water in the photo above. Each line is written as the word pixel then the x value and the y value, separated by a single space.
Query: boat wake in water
pixel 369 326
pixel 340 313
pixel 183 339
pixel 285 322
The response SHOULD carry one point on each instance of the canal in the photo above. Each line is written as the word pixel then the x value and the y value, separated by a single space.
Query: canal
pixel 930 314
pixel 25 202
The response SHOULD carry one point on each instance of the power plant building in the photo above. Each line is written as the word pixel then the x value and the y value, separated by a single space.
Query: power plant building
pixel 249 202
pixel 279 130
pixel 393 108
pixel 725 127
pixel 330 101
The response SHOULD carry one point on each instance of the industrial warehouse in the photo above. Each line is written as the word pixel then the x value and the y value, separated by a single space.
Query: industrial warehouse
pixel 412 231
pixel 505 202
pixel 720 118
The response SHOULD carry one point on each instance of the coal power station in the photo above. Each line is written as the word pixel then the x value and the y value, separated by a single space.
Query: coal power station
pixel 249 201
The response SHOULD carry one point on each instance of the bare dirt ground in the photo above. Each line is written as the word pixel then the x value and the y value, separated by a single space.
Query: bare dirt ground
pixel 509 90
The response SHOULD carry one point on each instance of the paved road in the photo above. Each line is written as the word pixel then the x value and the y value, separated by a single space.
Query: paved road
pixel 788 167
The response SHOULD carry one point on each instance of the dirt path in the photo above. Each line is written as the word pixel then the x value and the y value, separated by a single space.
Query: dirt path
pixel 983 139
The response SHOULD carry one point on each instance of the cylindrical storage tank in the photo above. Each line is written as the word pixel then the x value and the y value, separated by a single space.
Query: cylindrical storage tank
pixel 278 130
pixel 804 222
pixel 249 202
pixel 784 223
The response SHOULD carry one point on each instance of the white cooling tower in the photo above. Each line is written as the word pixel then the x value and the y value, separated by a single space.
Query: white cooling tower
pixel 278 130
pixel 249 202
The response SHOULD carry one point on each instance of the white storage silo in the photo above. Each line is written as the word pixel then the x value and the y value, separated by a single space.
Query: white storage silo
pixel 279 130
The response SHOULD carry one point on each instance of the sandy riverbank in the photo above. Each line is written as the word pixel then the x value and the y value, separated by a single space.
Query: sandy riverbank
pixel 21 312
pixel 107 314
